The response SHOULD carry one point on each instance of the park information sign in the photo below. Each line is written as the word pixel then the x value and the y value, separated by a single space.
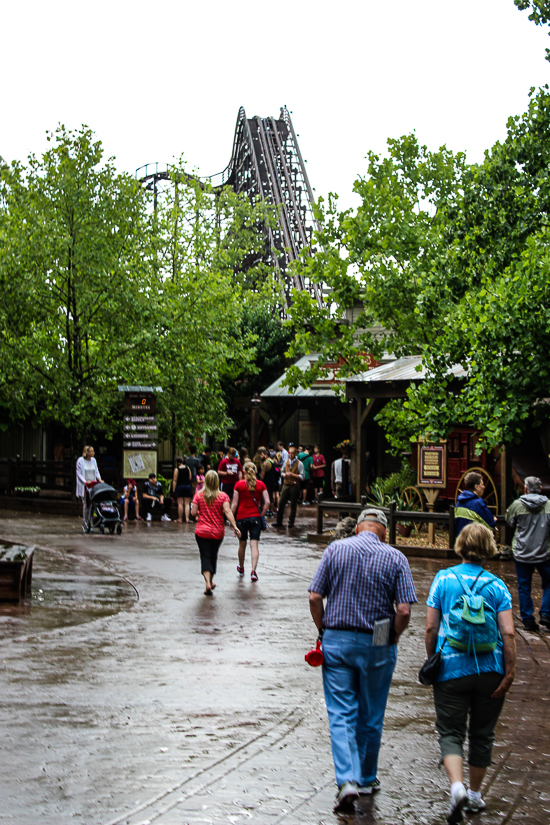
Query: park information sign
pixel 140 431
pixel 432 464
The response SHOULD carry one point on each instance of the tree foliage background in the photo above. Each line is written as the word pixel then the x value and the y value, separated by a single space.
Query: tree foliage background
pixel 97 288
pixel 451 262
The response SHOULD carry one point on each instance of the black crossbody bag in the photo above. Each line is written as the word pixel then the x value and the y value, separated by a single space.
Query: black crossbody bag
pixel 262 519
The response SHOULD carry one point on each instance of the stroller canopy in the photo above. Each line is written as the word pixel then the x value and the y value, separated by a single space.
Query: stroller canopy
pixel 103 492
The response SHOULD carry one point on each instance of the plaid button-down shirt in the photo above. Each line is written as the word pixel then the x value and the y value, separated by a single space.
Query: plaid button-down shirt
pixel 362 579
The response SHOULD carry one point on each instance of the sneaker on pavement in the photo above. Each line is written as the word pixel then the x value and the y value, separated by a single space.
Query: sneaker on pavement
pixel 254 576
pixel 370 787
pixel 458 801
pixel 240 570
pixel 544 619
pixel 346 798
pixel 530 624
pixel 164 517
pixel 149 517
pixel 474 804
pixel 138 518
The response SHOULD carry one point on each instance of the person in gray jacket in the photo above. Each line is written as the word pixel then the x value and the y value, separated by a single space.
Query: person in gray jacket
pixel 529 515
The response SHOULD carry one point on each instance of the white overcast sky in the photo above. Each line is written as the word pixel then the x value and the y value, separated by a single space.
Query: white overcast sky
pixel 155 80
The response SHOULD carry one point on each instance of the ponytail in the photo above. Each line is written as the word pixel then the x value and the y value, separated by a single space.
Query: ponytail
pixel 250 475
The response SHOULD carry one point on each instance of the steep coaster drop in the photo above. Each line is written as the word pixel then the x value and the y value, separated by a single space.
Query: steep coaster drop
pixel 266 164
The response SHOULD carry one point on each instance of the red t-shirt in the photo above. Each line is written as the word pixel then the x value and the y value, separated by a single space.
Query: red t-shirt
pixel 318 459
pixel 232 466
pixel 247 508
pixel 210 524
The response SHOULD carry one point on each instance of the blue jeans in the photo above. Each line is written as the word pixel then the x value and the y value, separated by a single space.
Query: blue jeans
pixel 356 680
pixel 524 573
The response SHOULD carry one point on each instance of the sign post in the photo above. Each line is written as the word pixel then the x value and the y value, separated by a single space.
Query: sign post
pixel 140 431
pixel 432 474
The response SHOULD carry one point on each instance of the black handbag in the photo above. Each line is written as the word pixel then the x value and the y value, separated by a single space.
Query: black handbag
pixel 429 671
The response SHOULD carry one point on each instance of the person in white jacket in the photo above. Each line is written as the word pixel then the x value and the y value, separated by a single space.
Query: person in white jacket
pixel 86 470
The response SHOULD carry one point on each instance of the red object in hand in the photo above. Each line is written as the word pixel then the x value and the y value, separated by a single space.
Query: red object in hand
pixel 314 657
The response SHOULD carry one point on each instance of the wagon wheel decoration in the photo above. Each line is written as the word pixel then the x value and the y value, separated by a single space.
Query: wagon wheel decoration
pixel 490 495
pixel 414 501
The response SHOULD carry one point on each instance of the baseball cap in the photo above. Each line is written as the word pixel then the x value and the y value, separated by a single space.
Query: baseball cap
pixel 372 514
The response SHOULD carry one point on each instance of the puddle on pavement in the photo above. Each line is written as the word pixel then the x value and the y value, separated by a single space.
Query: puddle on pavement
pixel 66 590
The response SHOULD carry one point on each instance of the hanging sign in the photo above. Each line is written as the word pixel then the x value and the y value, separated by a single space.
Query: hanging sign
pixel 432 464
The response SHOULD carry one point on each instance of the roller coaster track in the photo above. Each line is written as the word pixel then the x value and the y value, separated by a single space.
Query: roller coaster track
pixel 266 164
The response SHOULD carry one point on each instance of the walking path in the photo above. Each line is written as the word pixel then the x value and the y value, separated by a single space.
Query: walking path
pixel 175 708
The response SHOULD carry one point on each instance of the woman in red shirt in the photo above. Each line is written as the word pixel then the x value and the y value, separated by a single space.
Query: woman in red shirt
pixel 250 502
pixel 211 505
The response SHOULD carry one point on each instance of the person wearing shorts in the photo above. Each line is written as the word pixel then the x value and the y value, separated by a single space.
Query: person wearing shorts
pixel 210 506
pixel 250 503
pixel 181 488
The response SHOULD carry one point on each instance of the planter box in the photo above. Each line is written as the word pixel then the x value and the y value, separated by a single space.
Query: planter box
pixel 15 571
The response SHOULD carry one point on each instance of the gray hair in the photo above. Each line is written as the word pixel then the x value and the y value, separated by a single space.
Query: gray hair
pixel 533 484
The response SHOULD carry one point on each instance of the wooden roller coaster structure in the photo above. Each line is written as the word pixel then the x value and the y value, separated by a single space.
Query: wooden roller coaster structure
pixel 266 164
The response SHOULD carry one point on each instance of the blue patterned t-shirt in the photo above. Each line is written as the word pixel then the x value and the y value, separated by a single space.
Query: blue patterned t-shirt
pixel 444 592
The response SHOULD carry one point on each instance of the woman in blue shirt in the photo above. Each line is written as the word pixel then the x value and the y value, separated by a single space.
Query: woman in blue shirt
pixel 469 684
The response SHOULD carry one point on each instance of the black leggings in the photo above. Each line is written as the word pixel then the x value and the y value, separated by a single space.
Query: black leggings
pixel 208 548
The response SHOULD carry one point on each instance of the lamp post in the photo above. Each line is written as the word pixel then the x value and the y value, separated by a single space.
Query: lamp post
pixel 255 423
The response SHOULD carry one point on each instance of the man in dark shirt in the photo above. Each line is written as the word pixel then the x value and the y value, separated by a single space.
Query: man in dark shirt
pixel 204 459
pixel 369 591
pixel 193 463
pixel 153 496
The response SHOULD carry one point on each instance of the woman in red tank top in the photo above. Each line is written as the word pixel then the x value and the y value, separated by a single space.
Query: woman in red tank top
pixel 250 502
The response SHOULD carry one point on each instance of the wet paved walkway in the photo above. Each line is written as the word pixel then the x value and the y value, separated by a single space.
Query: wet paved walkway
pixel 177 709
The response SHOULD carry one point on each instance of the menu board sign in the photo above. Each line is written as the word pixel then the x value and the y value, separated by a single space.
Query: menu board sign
pixel 432 464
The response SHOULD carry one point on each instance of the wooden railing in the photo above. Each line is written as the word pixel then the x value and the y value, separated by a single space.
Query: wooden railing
pixel 343 508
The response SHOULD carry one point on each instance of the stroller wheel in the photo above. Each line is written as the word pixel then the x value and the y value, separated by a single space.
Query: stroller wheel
pixel 111 529
pixel 101 529
pixel 118 529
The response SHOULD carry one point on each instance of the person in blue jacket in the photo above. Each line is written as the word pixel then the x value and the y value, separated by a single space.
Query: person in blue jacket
pixel 470 507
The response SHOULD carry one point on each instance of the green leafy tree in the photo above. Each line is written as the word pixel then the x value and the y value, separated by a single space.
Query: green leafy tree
pixel 539 13
pixel 209 252
pixel 72 232
pixel 451 262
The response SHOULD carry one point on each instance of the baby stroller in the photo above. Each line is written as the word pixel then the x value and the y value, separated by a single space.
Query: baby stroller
pixel 103 509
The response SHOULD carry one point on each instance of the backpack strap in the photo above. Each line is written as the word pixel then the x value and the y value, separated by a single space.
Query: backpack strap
pixel 471 591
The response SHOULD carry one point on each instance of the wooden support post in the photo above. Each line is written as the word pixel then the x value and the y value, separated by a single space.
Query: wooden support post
pixel 452 529
pixel 354 456
pixel 506 491
pixel 391 523
pixel 363 501
pixel 431 498
pixel 319 513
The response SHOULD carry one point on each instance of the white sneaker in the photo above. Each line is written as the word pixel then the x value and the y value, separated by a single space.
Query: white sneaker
pixel 164 517
pixel 149 517
pixel 474 804
pixel 458 801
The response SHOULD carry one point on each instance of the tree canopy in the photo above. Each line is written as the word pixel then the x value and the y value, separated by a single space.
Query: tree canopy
pixel 97 288
pixel 450 260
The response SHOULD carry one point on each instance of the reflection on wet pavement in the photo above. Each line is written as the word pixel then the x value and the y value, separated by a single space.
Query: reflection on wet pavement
pixel 66 590
pixel 179 709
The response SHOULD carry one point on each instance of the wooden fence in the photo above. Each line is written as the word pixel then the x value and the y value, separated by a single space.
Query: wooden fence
pixel 345 508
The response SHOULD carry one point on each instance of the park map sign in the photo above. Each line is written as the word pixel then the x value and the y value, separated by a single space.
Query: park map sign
pixel 140 431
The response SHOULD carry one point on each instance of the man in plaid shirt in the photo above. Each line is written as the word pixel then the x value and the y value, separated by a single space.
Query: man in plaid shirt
pixel 361 578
